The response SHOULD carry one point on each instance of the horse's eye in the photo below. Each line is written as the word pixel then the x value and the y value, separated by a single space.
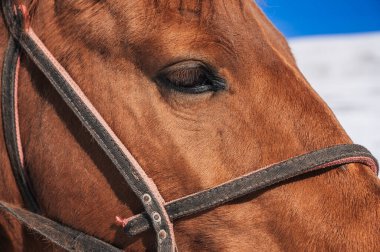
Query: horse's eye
pixel 192 77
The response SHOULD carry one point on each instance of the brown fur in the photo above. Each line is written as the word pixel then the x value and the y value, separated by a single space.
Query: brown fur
pixel 186 143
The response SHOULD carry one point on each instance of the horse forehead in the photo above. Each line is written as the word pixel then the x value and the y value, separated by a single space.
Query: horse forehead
pixel 199 8
pixel 198 19
pixel 139 18
pixel 203 12
pixel 165 30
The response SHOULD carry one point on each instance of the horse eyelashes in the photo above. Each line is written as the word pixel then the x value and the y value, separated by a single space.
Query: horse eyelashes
pixel 190 77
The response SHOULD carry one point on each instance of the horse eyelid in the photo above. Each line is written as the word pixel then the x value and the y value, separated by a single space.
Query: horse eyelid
pixel 216 82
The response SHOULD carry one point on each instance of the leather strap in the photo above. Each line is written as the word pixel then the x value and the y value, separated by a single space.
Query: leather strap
pixel 10 123
pixel 128 167
pixel 261 179
pixel 62 236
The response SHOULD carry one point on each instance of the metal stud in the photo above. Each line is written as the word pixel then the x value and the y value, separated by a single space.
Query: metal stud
pixel 156 217
pixel 162 234
pixel 146 198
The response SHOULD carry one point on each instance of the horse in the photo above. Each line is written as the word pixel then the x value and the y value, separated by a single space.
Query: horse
pixel 200 92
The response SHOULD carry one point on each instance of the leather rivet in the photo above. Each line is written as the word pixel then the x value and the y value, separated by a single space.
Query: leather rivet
pixel 156 217
pixel 146 198
pixel 162 234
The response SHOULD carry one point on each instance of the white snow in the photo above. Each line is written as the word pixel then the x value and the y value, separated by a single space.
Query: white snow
pixel 345 71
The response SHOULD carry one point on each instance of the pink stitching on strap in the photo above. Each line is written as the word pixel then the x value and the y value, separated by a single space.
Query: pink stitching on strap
pixel 17 123
pixel 360 159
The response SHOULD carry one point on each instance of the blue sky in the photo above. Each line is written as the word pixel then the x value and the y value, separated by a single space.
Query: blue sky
pixel 301 17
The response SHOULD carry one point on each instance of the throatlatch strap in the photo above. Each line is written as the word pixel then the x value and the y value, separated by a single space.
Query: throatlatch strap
pixel 76 100
pixel 10 123
pixel 62 236
pixel 257 180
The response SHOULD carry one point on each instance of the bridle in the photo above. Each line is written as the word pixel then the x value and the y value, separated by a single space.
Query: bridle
pixel 159 215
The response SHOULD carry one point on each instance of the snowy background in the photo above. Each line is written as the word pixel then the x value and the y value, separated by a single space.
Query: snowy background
pixel 345 71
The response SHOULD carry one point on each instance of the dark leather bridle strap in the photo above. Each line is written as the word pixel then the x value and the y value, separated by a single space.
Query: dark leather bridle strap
pixel 134 175
pixel 10 123
pixel 62 236
pixel 261 179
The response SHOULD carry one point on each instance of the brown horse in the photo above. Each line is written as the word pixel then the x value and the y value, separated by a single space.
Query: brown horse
pixel 140 63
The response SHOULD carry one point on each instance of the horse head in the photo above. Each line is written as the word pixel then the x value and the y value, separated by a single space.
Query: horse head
pixel 200 92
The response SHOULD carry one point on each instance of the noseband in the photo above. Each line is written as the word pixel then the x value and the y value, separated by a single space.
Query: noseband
pixel 159 215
